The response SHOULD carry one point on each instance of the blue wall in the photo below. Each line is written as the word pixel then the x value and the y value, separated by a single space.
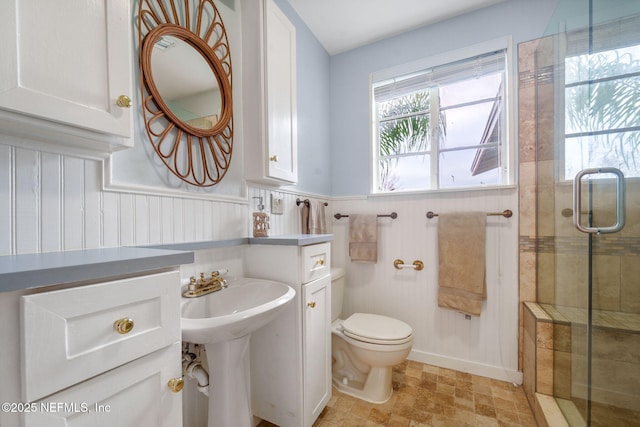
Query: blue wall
pixel 314 163
pixel 333 92
pixel 349 76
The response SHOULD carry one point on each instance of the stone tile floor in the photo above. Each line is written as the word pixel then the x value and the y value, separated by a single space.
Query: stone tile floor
pixel 427 395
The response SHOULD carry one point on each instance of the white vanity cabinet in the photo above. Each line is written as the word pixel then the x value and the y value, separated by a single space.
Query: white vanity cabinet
pixel 291 356
pixel 316 348
pixel 63 67
pixel 269 88
pixel 103 354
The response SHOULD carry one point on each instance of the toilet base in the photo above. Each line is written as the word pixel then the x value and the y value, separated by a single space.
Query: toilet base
pixel 377 388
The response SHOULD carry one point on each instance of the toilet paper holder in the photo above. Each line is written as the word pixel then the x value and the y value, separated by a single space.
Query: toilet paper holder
pixel 399 264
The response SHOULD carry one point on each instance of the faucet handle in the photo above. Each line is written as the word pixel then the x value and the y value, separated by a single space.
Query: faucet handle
pixel 192 284
pixel 217 276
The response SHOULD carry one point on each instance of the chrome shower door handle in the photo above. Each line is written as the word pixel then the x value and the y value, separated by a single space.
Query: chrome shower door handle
pixel 577 201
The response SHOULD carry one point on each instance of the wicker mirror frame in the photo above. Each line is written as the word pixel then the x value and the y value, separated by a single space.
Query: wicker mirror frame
pixel 200 157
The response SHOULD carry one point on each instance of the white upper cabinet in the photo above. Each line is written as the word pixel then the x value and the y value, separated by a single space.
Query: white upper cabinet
pixel 66 63
pixel 280 76
pixel 269 91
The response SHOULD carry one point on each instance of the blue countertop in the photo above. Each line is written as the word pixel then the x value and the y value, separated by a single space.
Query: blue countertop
pixel 33 270
pixel 283 239
pixel 18 272
pixel 291 239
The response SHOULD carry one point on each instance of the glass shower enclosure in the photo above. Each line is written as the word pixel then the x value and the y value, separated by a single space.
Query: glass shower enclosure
pixel 587 101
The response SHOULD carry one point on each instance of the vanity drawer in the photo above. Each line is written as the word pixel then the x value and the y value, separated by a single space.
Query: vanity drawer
pixel 71 334
pixel 316 261
pixel 133 395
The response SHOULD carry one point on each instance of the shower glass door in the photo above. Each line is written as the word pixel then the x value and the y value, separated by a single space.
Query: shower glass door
pixel 580 87
pixel 605 381
pixel 600 152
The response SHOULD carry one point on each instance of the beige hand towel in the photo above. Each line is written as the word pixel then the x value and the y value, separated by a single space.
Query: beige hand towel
pixel 461 270
pixel 317 222
pixel 304 218
pixel 363 238
pixel 313 218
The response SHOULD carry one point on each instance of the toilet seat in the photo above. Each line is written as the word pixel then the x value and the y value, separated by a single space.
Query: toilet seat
pixel 377 329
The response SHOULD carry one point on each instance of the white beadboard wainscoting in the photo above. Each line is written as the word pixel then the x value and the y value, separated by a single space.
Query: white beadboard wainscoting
pixel 485 345
pixel 290 220
pixel 53 202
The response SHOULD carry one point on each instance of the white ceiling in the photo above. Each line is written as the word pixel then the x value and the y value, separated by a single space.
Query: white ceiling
pixel 342 25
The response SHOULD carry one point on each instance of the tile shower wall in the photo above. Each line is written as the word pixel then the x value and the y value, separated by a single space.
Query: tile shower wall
pixel 554 257
pixel 546 227
pixel 54 202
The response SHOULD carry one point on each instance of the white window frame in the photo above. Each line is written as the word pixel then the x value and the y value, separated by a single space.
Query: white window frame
pixel 508 146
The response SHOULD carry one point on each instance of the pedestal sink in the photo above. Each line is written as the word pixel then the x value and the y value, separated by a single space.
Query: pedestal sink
pixel 223 322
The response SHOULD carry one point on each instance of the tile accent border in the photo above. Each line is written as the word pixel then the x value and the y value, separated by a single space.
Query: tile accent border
pixel 613 245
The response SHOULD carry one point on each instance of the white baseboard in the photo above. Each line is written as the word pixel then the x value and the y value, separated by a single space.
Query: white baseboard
pixel 495 372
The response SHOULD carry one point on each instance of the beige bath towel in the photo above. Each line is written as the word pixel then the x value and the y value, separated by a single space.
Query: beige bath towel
pixel 461 265
pixel 313 219
pixel 363 238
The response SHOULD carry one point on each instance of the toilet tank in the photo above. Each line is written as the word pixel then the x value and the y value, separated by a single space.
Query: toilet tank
pixel 337 292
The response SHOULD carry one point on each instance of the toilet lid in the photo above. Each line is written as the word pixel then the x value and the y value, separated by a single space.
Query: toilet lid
pixel 376 329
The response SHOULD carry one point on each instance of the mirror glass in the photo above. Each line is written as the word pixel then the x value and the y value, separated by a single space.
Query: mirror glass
pixel 186 93
pixel 194 97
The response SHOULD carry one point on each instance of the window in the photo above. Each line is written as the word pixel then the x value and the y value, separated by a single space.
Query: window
pixel 441 127
pixel 602 111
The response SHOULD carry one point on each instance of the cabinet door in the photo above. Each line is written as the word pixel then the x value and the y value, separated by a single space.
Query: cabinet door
pixel 134 395
pixel 67 62
pixel 317 347
pixel 280 75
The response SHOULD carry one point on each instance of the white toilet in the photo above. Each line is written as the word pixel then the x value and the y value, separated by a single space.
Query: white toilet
pixel 364 348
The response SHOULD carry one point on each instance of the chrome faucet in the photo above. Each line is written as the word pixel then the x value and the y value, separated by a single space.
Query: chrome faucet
pixel 204 286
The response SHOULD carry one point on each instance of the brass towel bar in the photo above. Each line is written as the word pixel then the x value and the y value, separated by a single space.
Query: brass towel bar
pixel 392 215
pixel 506 213
pixel 306 202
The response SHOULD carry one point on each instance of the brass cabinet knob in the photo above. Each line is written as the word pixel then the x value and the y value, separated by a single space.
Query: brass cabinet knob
pixel 176 384
pixel 124 325
pixel 123 101
pixel 273 158
pixel 311 304
pixel 320 261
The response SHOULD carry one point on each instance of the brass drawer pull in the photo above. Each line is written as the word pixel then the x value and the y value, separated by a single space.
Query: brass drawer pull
pixel 320 261
pixel 311 304
pixel 176 384
pixel 124 325
pixel 273 158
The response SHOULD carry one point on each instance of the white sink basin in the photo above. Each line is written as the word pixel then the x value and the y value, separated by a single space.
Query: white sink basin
pixel 233 312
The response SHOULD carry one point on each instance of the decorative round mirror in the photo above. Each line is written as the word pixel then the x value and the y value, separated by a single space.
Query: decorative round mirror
pixel 185 68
